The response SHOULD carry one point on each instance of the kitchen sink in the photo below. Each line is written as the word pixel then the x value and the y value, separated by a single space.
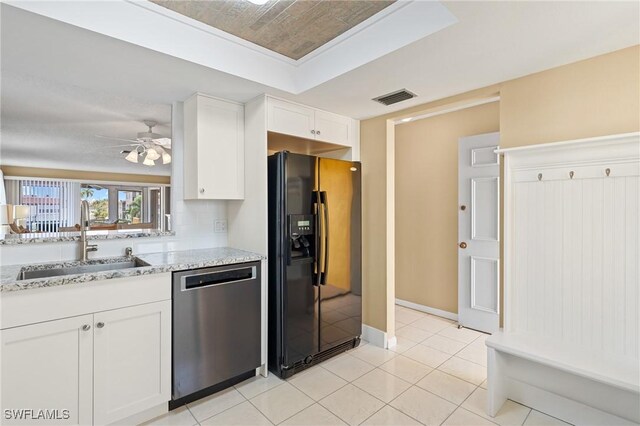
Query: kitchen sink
pixel 97 265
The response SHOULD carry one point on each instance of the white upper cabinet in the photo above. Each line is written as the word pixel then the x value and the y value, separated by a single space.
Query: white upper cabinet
pixel 310 123
pixel 213 149
pixel 333 128
pixel 290 119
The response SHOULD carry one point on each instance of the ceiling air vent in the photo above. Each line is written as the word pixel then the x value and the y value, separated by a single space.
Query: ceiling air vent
pixel 395 97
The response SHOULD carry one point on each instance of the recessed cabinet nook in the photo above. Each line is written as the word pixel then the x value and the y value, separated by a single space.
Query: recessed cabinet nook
pixel 298 120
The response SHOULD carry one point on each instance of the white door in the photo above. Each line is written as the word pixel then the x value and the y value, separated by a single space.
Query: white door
pixel 48 366
pixel 479 232
pixel 290 119
pixel 132 360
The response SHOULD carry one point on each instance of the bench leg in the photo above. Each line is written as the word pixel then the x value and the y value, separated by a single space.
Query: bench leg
pixel 496 392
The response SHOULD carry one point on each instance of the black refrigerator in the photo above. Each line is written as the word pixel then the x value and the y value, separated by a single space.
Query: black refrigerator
pixel 315 260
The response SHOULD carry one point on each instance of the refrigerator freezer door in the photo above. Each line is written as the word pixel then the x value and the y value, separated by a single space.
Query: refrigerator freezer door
pixel 301 303
pixel 340 255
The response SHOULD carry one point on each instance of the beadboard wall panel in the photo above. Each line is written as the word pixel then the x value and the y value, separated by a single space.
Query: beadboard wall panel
pixel 572 270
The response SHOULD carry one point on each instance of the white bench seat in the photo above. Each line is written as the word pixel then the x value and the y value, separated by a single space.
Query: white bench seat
pixel 575 384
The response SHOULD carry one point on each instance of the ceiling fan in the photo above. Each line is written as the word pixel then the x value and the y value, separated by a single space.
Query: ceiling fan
pixel 148 146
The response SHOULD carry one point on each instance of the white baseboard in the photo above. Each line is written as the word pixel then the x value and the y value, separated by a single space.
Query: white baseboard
pixel 427 309
pixel 377 337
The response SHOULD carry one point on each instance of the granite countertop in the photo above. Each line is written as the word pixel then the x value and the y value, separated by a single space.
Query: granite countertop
pixel 57 237
pixel 156 263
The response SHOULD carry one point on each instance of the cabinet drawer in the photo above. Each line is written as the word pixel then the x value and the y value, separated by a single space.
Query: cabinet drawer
pixel 49 303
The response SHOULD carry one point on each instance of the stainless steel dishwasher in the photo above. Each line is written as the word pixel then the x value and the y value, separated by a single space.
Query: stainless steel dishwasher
pixel 216 329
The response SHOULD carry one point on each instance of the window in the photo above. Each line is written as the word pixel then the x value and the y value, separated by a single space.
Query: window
pixel 129 206
pixel 98 199
pixel 53 205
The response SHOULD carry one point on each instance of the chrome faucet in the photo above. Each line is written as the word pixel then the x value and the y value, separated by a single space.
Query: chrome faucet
pixel 84 225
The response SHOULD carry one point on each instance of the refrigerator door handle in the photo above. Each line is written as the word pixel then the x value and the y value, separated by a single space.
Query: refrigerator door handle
pixel 318 242
pixel 324 199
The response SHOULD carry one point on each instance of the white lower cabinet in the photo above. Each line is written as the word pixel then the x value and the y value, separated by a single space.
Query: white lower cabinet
pixel 101 367
pixel 48 366
pixel 131 360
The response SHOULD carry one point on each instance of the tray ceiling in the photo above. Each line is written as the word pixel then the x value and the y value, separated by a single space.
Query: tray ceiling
pixel 293 28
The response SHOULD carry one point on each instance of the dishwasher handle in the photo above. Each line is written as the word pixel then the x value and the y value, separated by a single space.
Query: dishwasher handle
pixel 216 278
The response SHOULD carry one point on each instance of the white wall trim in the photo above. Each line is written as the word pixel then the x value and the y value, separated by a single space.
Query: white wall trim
pixel 162 30
pixel 377 337
pixel 427 309
pixel 458 106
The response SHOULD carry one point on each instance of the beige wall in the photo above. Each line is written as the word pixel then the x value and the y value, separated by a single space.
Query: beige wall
pixel 596 97
pixel 589 98
pixel 374 238
pixel 426 203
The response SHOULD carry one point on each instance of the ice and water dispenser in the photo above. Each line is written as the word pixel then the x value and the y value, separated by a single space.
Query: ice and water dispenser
pixel 302 236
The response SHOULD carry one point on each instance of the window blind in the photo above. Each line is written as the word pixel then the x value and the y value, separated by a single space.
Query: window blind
pixel 52 203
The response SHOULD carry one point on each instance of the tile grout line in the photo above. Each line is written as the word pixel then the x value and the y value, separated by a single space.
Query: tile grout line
pixel 528 414
pixel 347 382
pixel 260 411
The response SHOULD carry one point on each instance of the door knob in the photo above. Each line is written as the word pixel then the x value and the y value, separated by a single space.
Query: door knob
pixel 463 245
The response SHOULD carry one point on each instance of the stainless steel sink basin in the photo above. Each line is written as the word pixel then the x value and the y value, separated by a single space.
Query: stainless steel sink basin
pixel 98 265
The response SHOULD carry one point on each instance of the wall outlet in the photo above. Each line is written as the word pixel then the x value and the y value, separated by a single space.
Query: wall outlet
pixel 220 226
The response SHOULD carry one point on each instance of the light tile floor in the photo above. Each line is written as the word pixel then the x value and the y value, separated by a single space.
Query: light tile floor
pixel 436 375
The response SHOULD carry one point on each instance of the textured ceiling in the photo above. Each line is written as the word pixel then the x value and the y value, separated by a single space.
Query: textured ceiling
pixel 292 28
pixel 50 125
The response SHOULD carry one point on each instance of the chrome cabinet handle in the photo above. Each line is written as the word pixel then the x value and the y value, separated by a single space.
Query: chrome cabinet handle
pixel 202 190
pixel 100 324
pixel 317 132
pixel 86 327
pixel 313 132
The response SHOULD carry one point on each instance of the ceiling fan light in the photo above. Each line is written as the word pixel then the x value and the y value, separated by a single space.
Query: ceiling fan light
pixel 166 158
pixel 148 162
pixel 152 154
pixel 132 156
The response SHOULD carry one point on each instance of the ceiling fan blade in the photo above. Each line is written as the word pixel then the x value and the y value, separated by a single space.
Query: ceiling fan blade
pixel 164 142
pixel 116 139
pixel 118 146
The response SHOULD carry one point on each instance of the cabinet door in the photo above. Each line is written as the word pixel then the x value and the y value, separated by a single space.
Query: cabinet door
pixel 220 146
pixel 290 119
pixel 333 128
pixel 132 360
pixel 48 366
